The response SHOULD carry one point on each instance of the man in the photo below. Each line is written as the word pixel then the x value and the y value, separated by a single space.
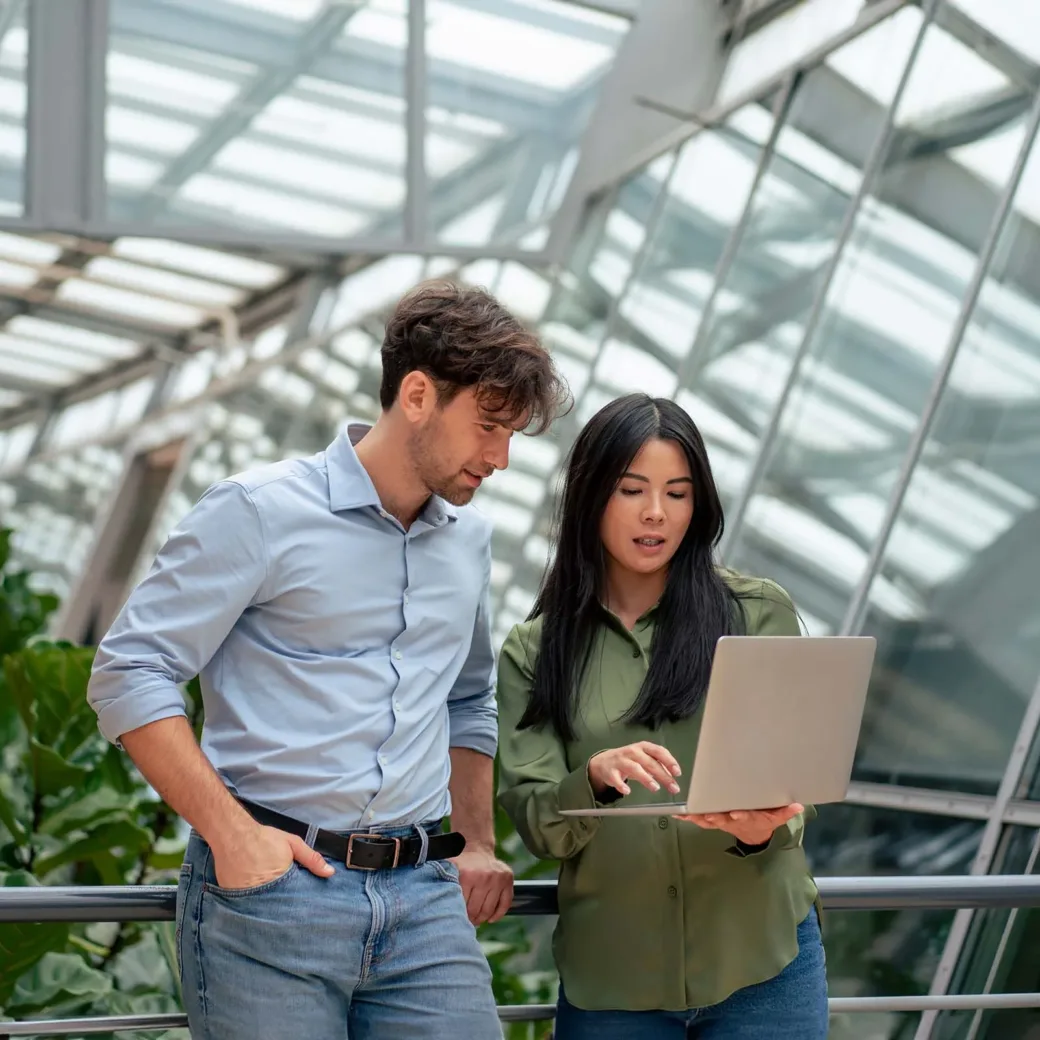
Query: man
pixel 336 608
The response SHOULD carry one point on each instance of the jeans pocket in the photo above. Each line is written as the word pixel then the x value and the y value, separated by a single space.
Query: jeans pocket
pixel 255 890
pixel 182 898
pixel 445 871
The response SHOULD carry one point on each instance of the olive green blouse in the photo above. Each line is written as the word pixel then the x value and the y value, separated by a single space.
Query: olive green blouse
pixel 655 913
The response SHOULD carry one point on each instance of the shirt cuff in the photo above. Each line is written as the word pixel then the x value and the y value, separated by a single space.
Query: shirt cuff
pixel 137 708
pixel 576 791
pixel 476 730
pixel 742 850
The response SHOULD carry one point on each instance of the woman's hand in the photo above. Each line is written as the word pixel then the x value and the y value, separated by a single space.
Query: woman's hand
pixel 652 765
pixel 751 827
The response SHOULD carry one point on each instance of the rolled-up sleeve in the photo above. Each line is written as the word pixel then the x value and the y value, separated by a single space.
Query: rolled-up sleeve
pixel 472 709
pixel 212 568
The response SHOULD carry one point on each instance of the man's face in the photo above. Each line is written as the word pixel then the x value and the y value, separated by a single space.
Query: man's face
pixel 458 447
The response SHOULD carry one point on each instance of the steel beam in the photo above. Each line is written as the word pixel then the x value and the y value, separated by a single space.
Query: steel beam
pixel 416 226
pixel 714 115
pixel 673 54
pixel 64 163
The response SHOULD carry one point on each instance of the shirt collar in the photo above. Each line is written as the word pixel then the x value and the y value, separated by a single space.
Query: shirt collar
pixel 350 486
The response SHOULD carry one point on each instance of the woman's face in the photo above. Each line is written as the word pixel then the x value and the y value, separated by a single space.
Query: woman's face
pixel 650 510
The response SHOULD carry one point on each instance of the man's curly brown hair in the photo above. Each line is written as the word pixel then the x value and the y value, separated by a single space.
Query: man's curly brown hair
pixel 462 337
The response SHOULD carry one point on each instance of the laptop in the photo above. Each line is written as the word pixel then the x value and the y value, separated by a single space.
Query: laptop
pixel 780 724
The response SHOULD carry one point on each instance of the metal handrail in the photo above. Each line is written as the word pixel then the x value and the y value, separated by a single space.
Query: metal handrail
pixel 111 903
pixel 531 898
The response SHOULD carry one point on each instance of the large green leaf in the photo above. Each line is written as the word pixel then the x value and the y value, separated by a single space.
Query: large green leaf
pixel 52 774
pixel 22 945
pixel 118 834
pixel 9 819
pixel 48 682
pixel 23 611
pixel 143 967
pixel 84 812
pixel 60 984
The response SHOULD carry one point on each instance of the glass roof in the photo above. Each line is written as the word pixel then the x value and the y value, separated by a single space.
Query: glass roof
pixel 75 308
pixel 293 116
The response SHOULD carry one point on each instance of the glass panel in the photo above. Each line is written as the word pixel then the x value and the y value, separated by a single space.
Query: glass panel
pixel 736 364
pixel 14 52
pixel 661 310
pixel 783 41
pixel 1001 955
pixel 883 953
pixel 886 320
pixel 1016 22
pixel 954 606
pixel 510 88
pixel 267 116
pixel 573 327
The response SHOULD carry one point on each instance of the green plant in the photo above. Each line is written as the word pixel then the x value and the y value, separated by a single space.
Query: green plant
pixel 73 811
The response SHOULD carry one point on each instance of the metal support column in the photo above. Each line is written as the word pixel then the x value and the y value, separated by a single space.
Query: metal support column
pixel 416 206
pixel 65 121
pixel 957 937
pixel 871 171
pixel 1002 945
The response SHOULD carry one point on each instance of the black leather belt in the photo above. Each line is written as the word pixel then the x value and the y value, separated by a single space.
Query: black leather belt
pixel 362 850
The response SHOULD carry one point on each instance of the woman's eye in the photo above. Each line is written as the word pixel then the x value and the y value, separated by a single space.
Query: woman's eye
pixel 629 491
pixel 488 427
pixel 680 495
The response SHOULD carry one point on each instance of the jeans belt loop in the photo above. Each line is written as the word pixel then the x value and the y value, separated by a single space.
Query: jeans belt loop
pixel 424 844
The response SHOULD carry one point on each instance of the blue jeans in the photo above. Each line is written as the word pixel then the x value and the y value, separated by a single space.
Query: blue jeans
pixel 362 955
pixel 791 1006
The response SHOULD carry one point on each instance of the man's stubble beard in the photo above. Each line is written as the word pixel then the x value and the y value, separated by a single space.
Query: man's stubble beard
pixel 431 470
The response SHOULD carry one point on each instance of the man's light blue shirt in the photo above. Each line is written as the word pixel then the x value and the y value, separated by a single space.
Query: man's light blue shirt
pixel 340 656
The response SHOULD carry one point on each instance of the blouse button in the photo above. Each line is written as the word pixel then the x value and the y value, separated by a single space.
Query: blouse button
pixel 662 823
pixel 673 891
pixel 636 652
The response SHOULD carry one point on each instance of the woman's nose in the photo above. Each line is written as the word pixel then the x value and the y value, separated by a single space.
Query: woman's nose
pixel 654 511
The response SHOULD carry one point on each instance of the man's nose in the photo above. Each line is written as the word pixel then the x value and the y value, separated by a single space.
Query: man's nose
pixel 498 456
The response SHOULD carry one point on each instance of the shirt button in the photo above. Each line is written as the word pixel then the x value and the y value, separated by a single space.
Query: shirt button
pixel 673 891
pixel 636 652
pixel 406 598
pixel 397 654
pixel 371 814
pixel 662 823
pixel 397 705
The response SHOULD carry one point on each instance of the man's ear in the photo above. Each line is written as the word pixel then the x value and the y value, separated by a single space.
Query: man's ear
pixel 417 397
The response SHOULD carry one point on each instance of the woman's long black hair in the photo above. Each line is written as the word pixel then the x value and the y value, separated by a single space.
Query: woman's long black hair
pixel 697 606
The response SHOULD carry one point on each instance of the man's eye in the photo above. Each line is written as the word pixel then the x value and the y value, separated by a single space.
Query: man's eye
pixel 488 427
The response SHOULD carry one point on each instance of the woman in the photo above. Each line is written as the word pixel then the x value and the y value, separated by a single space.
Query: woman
pixel 706 924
